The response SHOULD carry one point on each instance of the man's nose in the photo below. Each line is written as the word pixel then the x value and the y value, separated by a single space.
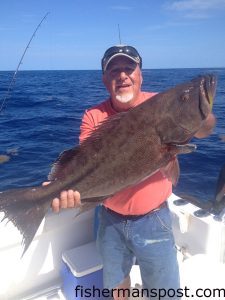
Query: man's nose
pixel 123 74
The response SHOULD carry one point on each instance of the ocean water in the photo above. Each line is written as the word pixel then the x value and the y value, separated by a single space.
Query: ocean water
pixel 43 115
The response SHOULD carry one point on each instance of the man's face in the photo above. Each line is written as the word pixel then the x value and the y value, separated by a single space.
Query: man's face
pixel 123 80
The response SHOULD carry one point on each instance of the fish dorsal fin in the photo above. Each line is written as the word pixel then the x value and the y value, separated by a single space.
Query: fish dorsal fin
pixel 106 126
pixel 59 167
pixel 64 161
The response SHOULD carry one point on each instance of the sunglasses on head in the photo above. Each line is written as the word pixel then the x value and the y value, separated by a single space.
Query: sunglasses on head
pixel 128 50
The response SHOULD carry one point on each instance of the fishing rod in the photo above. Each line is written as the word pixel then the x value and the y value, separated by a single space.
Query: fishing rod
pixel 13 80
pixel 119 34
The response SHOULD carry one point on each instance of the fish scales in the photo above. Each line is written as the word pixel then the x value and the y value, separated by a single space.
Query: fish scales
pixel 124 150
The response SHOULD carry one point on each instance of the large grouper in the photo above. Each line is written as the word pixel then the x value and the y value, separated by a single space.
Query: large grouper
pixel 124 150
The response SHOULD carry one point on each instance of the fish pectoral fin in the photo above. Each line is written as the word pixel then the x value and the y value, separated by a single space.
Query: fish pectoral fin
pixel 181 149
pixel 85 207
pixel 25 214
pixel 172 171
pixel 90 203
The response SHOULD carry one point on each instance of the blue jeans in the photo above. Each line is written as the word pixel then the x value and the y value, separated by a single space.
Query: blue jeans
pixel 149 239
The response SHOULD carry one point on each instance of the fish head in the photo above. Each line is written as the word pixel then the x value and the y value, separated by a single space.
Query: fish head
pixel 196 101
pixel 207 90
pixel 187 106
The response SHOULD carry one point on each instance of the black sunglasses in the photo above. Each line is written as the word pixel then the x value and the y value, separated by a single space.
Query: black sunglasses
pixel 128 50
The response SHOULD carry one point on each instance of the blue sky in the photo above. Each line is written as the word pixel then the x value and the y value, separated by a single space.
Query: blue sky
pixel 167 33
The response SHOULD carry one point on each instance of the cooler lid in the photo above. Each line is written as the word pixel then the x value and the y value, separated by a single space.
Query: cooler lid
pixel 83 260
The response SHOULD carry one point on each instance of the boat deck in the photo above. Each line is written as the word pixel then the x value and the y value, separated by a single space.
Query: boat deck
pixel 200 241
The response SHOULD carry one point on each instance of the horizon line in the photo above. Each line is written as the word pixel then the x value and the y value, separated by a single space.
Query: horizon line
pixel 160 68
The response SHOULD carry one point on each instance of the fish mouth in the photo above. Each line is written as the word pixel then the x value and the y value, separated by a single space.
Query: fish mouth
pixel 207 93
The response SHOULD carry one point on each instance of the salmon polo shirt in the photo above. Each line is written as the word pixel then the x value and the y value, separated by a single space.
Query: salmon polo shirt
pixel 138 199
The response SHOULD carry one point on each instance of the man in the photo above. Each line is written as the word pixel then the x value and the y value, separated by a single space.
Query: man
pixel 135 222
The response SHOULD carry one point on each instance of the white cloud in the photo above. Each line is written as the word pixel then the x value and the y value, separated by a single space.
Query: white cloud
pixel 199 5
pixel 197 9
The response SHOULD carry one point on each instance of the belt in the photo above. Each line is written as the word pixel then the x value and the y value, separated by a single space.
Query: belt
pixel 134 217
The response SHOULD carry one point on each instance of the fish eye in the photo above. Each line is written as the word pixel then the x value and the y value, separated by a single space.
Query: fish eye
pixel 186 95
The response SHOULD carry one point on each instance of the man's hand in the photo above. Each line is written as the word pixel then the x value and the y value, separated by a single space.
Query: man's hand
pixel 207 127
pixel 68 199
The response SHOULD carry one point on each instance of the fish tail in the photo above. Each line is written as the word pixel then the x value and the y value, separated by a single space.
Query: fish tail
pixel 25 208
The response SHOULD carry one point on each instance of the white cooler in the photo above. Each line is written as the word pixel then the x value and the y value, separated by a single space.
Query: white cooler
pixel 82 273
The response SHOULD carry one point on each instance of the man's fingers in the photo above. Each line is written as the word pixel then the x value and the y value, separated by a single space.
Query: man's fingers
pixel 70 198
pixel 63 199
pixel 67 199
pixel 55 205
pixel 77 198
pixel 73 198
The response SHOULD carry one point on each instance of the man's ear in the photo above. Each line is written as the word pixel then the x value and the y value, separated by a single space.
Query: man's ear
pixel 141 78
pixel 104 80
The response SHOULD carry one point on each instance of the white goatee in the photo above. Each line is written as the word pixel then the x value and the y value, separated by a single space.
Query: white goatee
pixel 124 98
